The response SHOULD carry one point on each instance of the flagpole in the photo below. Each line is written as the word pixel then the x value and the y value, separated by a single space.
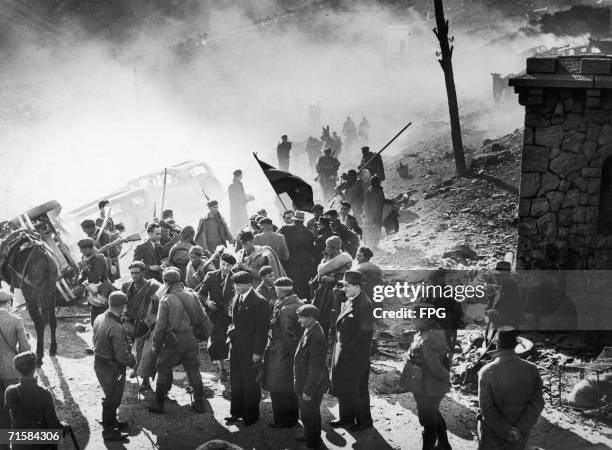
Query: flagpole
pixel 276 193
pixel 382 149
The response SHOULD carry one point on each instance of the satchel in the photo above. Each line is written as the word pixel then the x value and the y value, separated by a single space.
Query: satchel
pixel 201 329
pixel 412 378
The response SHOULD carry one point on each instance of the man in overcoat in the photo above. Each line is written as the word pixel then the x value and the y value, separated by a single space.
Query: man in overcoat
pixel 300 243
pixel 150 253
pixel 351 358
pixel 284 335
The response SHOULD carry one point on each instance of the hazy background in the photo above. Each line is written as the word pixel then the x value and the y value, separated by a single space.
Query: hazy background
pixel 85 109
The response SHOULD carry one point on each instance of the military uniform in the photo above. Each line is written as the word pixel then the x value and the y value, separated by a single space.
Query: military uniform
pixel 284 335
pixel 351 360
pixel 111 356
pixel 95 270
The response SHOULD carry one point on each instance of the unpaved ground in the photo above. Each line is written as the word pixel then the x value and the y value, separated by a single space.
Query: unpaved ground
pixel 71 378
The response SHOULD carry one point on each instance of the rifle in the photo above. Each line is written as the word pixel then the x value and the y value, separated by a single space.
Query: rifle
pixel 104 222
pixel 73 437
pixel 131 238
pixel 382 149
pixel 205 195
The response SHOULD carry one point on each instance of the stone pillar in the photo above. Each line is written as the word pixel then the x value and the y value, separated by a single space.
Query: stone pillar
pixel 568 137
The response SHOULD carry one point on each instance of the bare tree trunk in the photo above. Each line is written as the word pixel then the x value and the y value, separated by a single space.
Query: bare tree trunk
pixel 446 53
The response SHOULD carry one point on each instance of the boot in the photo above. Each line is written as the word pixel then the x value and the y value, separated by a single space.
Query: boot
pixel 110 434
pixel 429 439
pixel 443 443
pixel 198 404
pixel 157 406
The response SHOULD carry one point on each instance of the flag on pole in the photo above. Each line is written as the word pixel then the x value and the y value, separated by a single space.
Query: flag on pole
pixel 282 182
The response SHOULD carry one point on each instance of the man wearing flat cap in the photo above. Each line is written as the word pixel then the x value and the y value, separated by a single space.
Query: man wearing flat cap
pixel 216 295
pixel 94 275
pixel 311 377
pixel 329 272
pixel 269 237
pixel 510 396
pixel 11 327
pixel 174 340
pixel 112 354
pixel 300 242
pixel 351 358
pixel 283 337
pixel 238 201
pixel 248 336
pixel 212 229
pixel 30 405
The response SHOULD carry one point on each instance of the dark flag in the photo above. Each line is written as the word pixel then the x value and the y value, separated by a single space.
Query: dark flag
pixel 297 189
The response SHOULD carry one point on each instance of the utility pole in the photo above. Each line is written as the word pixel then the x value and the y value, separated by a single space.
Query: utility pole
pixel 446 54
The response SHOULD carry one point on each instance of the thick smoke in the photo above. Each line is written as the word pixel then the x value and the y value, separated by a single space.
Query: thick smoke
pixel 87 115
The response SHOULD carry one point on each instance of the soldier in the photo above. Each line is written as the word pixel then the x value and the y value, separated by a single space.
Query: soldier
pixel 317 211
pixel 266 287
pixel 174 341
pixel 274 240
pixel 300 242
pixel 311 378
pixel 112 356
pixel 216 294
pixel 14 335
pixel 170 233
pixel 31 406
pixel 248 335
pixel 350 240
pixel 238 200
pixel 212 229
pixel 353 193
pixel 329 272
pixel 327 172
pixel 284 335
pixel 94 269
pixel 282 151
pixel 351 358
pixel 179 253
pixel 349 220
pixel 336 144
pixel 140 293
pixel 102 238
pixel 350 133
pixel 253 257
pixel 510 397
pixel 196 268
pixel 374 200
pixel 373 162
pixel 150 253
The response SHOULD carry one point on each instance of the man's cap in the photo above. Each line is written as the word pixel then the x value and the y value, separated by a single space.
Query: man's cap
pixel 352 172
pixel 171 275
pixel 86 243
pixel 283 282
pixel 167 213
pixel 88 223
pixel 299 216
pixel 324 221
pixel 327 150
pixel 102 203
pixel 196 250
pixel 265 221
pixel 284 136
pixel 265 270
pixel 5 297
pixel 117 298
pixel 237 172
pixel 352 277
pixel 507 337
pixel 138 265
pixel 365 149
pixel 333 241
pixel 262 212
pixel 330 212
pixel 228 258
pixel 317 207
pixel 308 310
pixel 242 277
pixel 212 203
pixel 503 265
pixel 25 361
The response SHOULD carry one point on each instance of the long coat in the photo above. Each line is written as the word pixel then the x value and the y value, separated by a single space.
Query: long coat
pixel 351 358
pixel 310 373
pixel 275 241
pixel 429 351
pixel 207 236
pixel 299 266
pixel 285 332
pixel 221 293
pixel 510 395
pixel 238 206
pixel 13 330
pixel 248 332
pixel 151 255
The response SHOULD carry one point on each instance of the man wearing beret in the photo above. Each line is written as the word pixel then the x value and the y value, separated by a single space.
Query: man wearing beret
pixel 311 377
pixel 351 358
pixel 238 200
pixel 300 243
pixel 14 333
pixel 275 241
pixel 150 252
pixel 510 396
pixel 283 337
pixel 248 336
pixel 329 272
pixel 94 270
pixel 216 294
pixel 30 405
pixel 174 341
pixel 112 355
pixel 212 229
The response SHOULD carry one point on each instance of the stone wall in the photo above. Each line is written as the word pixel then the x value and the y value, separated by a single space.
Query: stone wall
pixel 568 136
